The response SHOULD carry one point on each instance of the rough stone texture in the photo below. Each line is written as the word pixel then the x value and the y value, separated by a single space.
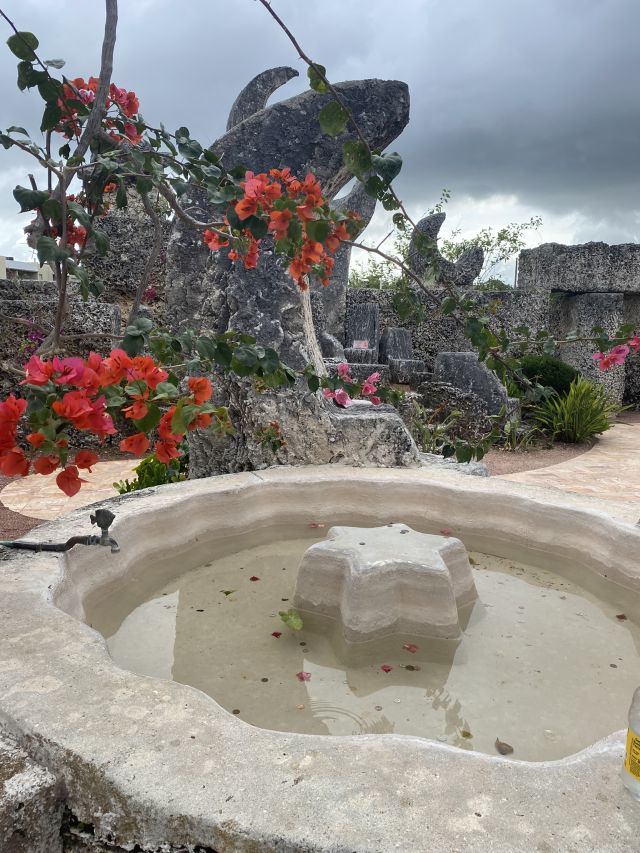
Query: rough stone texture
pixel 257 92
pixel 362 325
pixel 151 762
pixel 580 312
pixel 315 431
pixel 131 235
pixel 206 293
pixel 464 371
pixel 471 469
pixel 386 580
pixel 30 804
pixel 334 297
pixel 436 333
pixel 423 253
pixel 584 268
pixel 439 400
pixel 35 301
pixel 395 342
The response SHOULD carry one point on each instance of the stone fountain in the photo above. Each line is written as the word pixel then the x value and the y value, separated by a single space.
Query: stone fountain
pixel 387 580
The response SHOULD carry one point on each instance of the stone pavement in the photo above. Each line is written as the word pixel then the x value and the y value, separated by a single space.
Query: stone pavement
pixel 39 497
pixel 610 471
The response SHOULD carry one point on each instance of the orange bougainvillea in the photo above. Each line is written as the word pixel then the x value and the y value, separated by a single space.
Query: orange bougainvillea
pixel 83 395
pixel 305 229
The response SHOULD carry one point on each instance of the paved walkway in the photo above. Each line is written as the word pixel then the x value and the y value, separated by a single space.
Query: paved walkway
pixel 39 497
pixel 609 471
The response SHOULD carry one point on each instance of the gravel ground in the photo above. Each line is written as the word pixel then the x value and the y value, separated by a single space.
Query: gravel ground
pixel 12 524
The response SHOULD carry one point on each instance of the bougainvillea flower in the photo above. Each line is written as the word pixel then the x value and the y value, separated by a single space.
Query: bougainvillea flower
pixel 114 367
pixel 46 464
pixel 279 223
pixel 342 398
pixel 246 207
pixel 634 343
pixel 144 367
pixel 37 371
pixel 375 400
pixel 619 353
pixel 343 370
pixel 410 647
pixel 14 463
pixel 166 450
pixel 69 370
pixel 137 410
pixel 75 406
pixel 12 409
pixel 303 676
pixel 214 240
pixel 85 459
pixel 201 389
pixel 35 439
pixel 374 377
pixel 69 481
pixel 386 668
pixel 276 634
pixel 368 388
pixel 136 444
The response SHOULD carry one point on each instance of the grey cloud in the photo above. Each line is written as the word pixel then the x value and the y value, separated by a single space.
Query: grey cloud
pixel 535 98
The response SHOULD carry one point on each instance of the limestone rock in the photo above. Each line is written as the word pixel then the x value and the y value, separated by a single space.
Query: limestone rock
pixel 257 92
pixel 386 580
pixel 423 251
pixel 30 804
pixel 464 371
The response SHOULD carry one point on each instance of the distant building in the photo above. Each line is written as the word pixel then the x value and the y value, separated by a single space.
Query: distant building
pixel 13 270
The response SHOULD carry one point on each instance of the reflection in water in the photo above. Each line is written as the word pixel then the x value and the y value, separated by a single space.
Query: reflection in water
pixel 538 654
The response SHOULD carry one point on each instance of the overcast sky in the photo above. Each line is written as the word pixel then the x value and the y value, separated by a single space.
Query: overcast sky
pixel 519 107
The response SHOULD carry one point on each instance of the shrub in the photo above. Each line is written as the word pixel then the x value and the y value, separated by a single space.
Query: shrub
pixel 549 371
pixel 583 412
pixel 152 472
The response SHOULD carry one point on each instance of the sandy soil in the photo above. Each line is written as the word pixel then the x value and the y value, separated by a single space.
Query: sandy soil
pixel 510 462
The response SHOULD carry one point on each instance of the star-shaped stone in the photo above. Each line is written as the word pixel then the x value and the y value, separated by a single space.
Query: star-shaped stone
pixel 386 580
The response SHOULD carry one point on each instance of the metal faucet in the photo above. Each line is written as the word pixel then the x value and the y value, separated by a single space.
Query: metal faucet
pixel 102 517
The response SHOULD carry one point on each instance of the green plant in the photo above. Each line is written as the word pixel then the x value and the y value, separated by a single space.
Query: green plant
pixel 430 433
pixel 549 371
pixel 152 472
pixel 517 435
pixel 583 412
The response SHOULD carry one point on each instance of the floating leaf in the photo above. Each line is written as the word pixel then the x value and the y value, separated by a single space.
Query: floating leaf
pixel 303 676
pixel 445 531
pixel 254 578
pixel 386 668
pixel 621 617
pixel 467 734
pixel 503 748
pixel 276 634
pixel 228 591
pixel 315 524
pixel 291 619
pixel 410 667
pixel 410 647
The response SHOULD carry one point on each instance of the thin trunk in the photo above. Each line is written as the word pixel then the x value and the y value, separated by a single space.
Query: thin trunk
pixel 151 259
pixel 315 353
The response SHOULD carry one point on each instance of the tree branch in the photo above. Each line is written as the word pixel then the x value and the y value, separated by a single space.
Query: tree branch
pixel 151 259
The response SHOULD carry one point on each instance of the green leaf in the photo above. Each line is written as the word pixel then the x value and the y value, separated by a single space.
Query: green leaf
pixel 165 390
pixel 356 157
pixel 448 305
pixel 292 619
pixel 259 228
pixel 150 420
pixel 6 141
pixel 318 230
pixel 50 117
pixel 78 213
pixel 50 90
pixel 313 382
pixel 315 80
pixel 29 199
pixel 144 185
pixel 374 186
pixel 101 241
pixel 121 196
pixel 52 209
pixel 333 118
pixel 54 63
pixel 14 129
pixel 23 45
pixel 48 250
pixel 387 166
